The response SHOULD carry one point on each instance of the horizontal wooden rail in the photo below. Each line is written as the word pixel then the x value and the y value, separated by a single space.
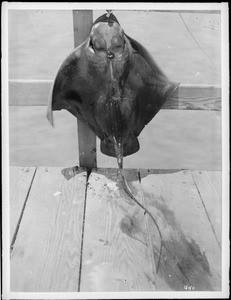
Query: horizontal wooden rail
pixel 188 96
pixel 195 97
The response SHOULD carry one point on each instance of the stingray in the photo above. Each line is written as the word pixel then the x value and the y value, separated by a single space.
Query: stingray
pixel 111 83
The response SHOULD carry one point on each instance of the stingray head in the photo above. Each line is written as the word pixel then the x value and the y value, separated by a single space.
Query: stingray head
pixel 107 39
pixel 108 50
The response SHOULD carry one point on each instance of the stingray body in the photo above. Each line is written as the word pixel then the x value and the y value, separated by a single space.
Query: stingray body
pixel 111 83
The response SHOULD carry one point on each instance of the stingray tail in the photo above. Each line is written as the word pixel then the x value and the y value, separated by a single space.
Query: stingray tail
pixel 119 153
pixel 129 193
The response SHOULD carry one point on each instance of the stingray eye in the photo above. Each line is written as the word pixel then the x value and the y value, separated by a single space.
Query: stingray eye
pixel 120 47
pixel 99 45
pixel 118 43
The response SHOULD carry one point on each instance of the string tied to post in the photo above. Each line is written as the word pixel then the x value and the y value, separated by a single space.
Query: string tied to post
pixel 108 13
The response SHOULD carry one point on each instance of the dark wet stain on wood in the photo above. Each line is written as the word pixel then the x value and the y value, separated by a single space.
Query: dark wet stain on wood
pixel 182 261
pixel 131 226
pixel 68 173
pixel 188 262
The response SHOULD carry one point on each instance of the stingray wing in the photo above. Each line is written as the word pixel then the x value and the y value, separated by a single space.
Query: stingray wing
pixel 153 87
pixel 66 90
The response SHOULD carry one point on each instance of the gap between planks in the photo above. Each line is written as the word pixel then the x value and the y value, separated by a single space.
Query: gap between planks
pixel 16 228
pixel 115 254
pixel 186 228
pixel 82 237
pixel 98 216
pixel 127 240
pixel 210 194
pixel 46 255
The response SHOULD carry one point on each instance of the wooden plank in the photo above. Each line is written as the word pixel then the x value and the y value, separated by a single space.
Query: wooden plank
pixel 188 96
pixel 195 97
pixel 191 258
pixel 46 254
pixel 87 146
pixel 210 190
pixel 82 23
pixel 20 181
pixel 115 248
pixel 216 179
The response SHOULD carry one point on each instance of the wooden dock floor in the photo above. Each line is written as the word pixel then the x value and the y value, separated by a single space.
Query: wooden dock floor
pixel 85 234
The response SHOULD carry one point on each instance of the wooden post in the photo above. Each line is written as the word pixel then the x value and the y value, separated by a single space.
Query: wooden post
pixel 82 23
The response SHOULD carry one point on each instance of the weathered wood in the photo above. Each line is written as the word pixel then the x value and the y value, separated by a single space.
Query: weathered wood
pixel 191 258
pixel 188 96
pixel 210 191
pixel 87 146
pixel 20 182
pixel 121 245
pixel 46 254
pixel 195 97
pixel 115 248
pixel 82 23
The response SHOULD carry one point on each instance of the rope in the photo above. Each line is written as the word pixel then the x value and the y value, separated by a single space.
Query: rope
pixel 199 45
pixel 108 13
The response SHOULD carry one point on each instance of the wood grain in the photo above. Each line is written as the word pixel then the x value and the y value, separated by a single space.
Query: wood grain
pixel 82 24
pixel 195 97
pixel 210 190
pixel 20 181
pixel 191 257
pixel 46 254
pixel 188 96
pixel 121 244
pixel 87 146
pixel 115 249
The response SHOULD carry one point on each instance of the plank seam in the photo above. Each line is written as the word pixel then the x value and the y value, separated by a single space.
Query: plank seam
pixel 83 224
pixel 207 214
pixel 22 213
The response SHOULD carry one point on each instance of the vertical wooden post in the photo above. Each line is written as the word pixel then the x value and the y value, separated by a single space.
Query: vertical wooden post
pixel 82 23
